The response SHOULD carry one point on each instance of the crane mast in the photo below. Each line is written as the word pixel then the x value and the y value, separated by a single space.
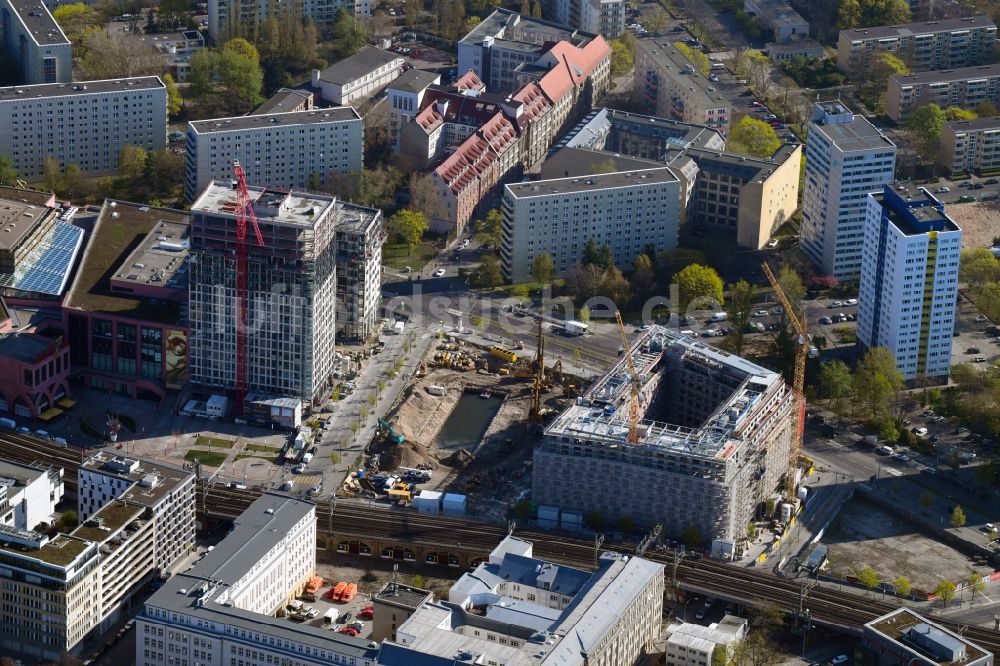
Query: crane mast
pixel 633 410
pixel 535 412
pixel 798 378
pixel 244 212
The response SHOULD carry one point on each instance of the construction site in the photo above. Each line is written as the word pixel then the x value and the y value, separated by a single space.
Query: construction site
pixel 470 421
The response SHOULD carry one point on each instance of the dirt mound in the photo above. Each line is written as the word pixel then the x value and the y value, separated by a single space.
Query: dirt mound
pixel 459 459
pixel 407 454
pixel 421 416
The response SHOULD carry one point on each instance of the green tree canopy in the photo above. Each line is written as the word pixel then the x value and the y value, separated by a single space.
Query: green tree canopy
pixel 958 113
pixel 877 381
pixel 945 591
pixel 8 175
pixel 986 109
pixel 868 13
pixel 542 268
pixel 836 382
pixel 622 55
pixel 977 267
pixel 348 34
pixel 751 136
pixel 698 282
pixel 869 578
pixel 408 226
pixel 244 48
pixel 698 59
pixel 739 310
pixel 132 162
pixel 957 517
pixel 903 586
pixel 175 103
pixel 927 122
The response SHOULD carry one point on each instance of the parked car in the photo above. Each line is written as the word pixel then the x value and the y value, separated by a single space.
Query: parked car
pixel 850 302
pixel 825 320
pixel 972 350
pixel 992 181
pixel 837 304
pixel 839 659
pixel 773 243
pixel 943 190
pixel 439 272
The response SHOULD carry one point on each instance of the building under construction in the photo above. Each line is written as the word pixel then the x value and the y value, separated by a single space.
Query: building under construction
pixel 291 292
pixel 715 433
pixel 360 236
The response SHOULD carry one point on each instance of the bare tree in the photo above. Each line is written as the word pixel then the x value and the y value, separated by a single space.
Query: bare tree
pixel 118 55
pixel 424 196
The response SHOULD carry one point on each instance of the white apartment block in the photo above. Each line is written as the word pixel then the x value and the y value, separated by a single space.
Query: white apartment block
pixel 964 87
pixel 909 280
pixel 222 611
pixel 291 292
pixel 944 44
pixel 604 17
pixel 969 146
pixel 778 17
pixel 85 123
pixel 517 610
pixel 358 77
pixel 33 39
pixel 166 491
pixel 322 12
pixel 280 150
pixel 51 593
pixel 28 494
pixel 626 209
pixel 846 159
pixel 671 87
pixel 694 644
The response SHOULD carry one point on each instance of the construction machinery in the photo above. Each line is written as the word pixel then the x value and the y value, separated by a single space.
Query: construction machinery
pixel 633 409
pixel 535 411
pixel 798 379
pixel 244 211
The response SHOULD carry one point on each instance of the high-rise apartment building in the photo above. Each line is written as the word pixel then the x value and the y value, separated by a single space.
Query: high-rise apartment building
pixel 291 292
pixel 33 39
pixel 964 87
pixel 252 12
pixel 672 87
pixel 283 150
pixel 85 123
pixel 968 146
pixel 909 280
pixel 28 494
pixel 945 44
pixel 628 208
pixel 846 158
pixel 714 441
pixel 360 237
pixel 604 17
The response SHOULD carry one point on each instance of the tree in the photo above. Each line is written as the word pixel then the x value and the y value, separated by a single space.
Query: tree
pixel 759 72
pixel 698 59
pixel 926 122
pixel 489 274
pixel 643 278
pixel 836 383
pixel 591 253
pixel 977 267
pixel 945 591
pixel 226 77
pixel 348 34
pixel 132 162
pixel 957 517
pixel 698 282
pixel 849 14
pixel 244 48
pixel 115 55
pixel 868 13
pixel 77 20
pixel 626 525
pixel 8 175
pixel 490 228
pixel 412 9
pixel 720 655
pixel 869 578
pixel 622 56
pixel 424 196
pixel 958 113
pixel 751 136
pixel 741 297
pixel 884 65
pixel 615 287
pixel 542 268
pixel 903 586
pixel 408 226
pixel 974 581
pixel 175 103
pixel 68 520
pixel 606 257
pixel 526 7
pixel 691 536
pixel 536 9
pixel 986 109
pixel 593 520
pixel 877 381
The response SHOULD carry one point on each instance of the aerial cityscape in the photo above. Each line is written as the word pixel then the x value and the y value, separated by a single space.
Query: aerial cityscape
pixel 524 333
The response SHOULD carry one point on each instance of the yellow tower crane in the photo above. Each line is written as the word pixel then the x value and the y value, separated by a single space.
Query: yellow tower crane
pixel 633 410
pixel 535 411
pixel 798 381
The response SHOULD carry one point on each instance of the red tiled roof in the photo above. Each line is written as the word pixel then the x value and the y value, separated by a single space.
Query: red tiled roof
pixel 474 156
pixel 468 81
pixel 573 66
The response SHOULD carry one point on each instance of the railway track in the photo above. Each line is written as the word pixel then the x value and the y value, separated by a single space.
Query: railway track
pixel 826 605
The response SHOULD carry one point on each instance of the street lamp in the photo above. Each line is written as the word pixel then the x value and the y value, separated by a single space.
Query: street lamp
pixel 805 630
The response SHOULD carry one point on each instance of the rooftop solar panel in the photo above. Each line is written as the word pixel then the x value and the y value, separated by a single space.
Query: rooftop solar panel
pixel 46 268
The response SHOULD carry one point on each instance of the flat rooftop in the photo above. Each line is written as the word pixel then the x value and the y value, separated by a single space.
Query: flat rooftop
pixel 794 46
pixel 25 347
pixel 593 130
pixel 39 22
pixel 21 475
pixel 285 100
pixel 604 181
pixel 924 210
pixel 60 551
pixel 404 595
pixel 18 219
pixel 514 27
pixel 161 259
pixel 970 74
pixel 28 195
pixel 663 51
pixel 105 523
pixel 153 481
pixel 896 624
pixel 295 208
pixel 267 120
pixel 355 219
pixel 746 167
pixel 80 88
pixel 914 29
pixel 591 418
pixel 977 125
pixel 779 11
pixel 121 228
pixel 857 135
pixel 415 80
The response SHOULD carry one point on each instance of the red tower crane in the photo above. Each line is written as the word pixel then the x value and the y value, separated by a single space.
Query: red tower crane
pixel 244 211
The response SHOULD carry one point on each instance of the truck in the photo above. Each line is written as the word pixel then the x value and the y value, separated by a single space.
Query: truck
pixel 573 327
pixel 331 615
pixel 398 327
pixel 503 354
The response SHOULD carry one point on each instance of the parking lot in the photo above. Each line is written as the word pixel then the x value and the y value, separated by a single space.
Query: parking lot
pixel 347 613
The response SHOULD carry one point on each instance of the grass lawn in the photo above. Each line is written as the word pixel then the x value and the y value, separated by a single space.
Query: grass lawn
pixel 214 442
pixel 396 256
pixel 263 448
pixel 271 459
pixel 208 458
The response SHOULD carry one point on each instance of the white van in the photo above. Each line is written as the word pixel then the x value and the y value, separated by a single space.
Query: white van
pixel 718 65
pixel 885 450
